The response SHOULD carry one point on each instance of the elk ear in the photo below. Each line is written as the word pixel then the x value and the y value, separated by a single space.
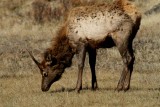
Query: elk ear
pixel 49 58
pixel 48 55
pixel 36 62
pixel 54 61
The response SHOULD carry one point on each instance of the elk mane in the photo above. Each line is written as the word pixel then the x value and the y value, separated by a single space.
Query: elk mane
pixel 60 48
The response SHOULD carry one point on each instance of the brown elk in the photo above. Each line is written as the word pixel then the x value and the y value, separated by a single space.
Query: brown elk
pixel 86 29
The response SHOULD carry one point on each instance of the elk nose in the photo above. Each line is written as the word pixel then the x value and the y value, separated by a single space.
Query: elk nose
pixel 44 89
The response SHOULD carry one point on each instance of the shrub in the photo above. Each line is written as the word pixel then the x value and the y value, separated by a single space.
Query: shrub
pixel 41 11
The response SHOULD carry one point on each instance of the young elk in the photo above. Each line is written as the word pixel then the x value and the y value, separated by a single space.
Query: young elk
pixel 86 29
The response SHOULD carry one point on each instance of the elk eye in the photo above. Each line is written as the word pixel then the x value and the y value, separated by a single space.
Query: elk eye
pixel 45 74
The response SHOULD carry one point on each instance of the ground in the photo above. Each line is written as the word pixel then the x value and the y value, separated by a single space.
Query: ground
pixel 24 91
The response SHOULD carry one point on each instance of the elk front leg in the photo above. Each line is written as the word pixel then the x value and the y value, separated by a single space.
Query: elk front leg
pixel 81 54
pixel 92 63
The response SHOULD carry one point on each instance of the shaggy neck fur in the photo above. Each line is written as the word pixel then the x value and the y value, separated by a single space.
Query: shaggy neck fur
pixel 61 49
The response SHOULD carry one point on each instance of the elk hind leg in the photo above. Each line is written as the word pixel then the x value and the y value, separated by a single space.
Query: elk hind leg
pixel 128 60
pixel 123 40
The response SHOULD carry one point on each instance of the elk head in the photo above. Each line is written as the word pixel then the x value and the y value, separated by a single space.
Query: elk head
pixel 50 69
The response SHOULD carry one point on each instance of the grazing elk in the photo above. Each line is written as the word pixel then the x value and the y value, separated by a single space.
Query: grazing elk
pixel 86 29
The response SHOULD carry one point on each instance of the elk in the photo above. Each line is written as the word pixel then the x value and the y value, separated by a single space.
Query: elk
pixel 86 29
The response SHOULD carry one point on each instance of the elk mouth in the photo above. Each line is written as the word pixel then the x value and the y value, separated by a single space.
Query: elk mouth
pixel 44 89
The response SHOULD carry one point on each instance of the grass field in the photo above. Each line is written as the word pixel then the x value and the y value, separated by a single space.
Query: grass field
pixel 24 91
pixel 20 81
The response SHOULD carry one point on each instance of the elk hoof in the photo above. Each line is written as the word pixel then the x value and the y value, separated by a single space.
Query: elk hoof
pixel 95 87
pixel 119 88
pixel 78 89
pixel 126 88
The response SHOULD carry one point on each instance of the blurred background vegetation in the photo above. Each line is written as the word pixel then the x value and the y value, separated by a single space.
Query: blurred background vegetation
pixel 31 24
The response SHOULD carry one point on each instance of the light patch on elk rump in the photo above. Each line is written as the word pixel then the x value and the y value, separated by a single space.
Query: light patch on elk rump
pixel 131 10
pixel 92 22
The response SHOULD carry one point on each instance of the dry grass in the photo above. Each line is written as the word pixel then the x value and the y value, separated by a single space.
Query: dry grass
pixel 24 91
pixel 20 80
pixel 146 4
